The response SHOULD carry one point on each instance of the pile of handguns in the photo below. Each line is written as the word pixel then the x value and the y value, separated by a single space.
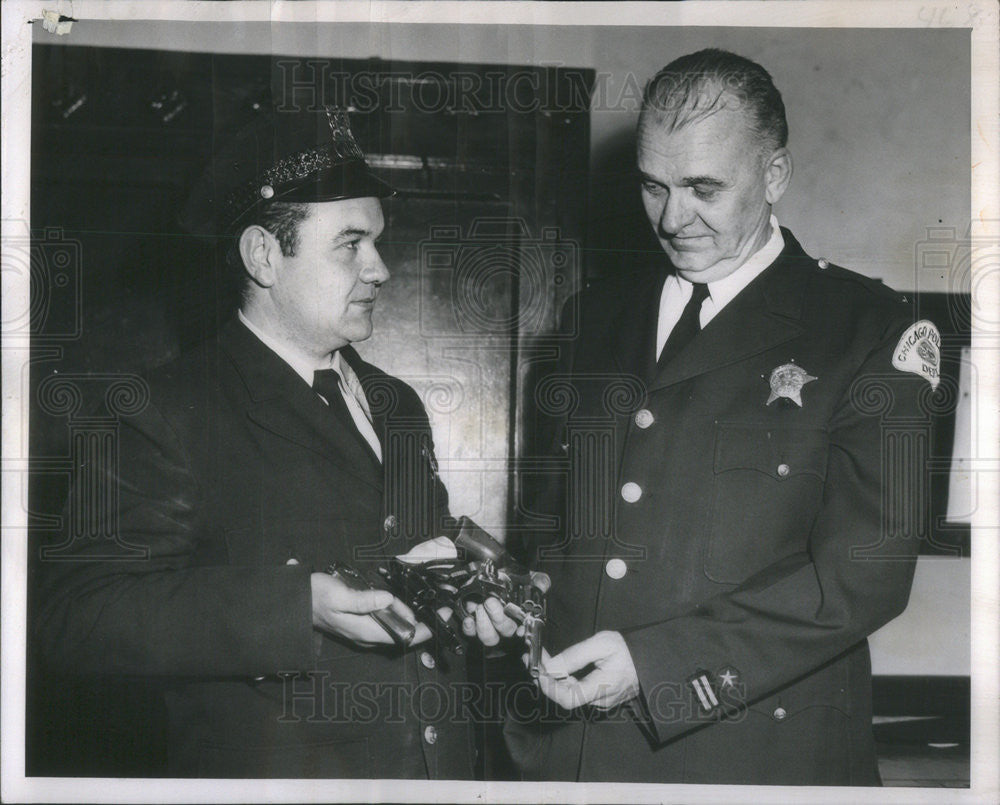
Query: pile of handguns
pixel 483 569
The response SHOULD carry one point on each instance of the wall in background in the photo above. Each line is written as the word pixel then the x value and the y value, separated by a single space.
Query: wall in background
pixel 878 118
pixel 939 613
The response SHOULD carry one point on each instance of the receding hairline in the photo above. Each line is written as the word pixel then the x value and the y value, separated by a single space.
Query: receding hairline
pixel 683 105
pixel 763 143
pixel 699 84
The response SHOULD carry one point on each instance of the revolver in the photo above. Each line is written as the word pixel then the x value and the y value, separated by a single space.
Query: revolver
pixel 483 568
pixel 398 627
pixel 521 592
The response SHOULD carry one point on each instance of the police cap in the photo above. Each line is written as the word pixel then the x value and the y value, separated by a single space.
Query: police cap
pixel 282 156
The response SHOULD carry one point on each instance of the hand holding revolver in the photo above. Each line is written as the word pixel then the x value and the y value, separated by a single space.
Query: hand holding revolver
pixel 504 598
pixel 347 604
pixel 475 574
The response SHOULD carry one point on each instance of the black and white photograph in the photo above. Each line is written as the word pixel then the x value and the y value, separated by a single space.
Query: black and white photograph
pixel 501 401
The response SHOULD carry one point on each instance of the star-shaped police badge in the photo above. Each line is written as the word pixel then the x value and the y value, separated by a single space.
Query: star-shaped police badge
pixel 787 381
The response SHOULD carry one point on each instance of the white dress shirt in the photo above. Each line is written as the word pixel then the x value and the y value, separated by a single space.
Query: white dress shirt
pixel 677 290
pixel 304 366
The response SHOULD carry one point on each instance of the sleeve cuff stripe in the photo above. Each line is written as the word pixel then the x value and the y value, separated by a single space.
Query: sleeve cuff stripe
pixel 706 695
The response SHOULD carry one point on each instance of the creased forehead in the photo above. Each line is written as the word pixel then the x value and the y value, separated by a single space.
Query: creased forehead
pixel 723 132
pixel 691 98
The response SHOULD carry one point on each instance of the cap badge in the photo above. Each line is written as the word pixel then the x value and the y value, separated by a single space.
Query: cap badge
pixel 299 166
pixel 787 381
pixel 342 141
pixel 919 352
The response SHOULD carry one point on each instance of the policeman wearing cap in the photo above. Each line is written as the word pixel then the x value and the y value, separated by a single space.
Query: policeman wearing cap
pixel 764 417
pixel 260 459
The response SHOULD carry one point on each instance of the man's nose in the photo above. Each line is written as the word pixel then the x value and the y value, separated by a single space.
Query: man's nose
pixel 375 271
pixel 676 212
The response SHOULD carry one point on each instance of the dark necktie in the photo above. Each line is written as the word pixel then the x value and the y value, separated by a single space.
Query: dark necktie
pixel 327 383
pixel 687 327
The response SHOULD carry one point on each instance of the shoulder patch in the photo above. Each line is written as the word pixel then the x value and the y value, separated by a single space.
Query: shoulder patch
pixel 919 352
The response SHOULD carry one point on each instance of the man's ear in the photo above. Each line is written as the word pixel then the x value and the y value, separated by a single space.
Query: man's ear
pixel 777 175
pixel 260 252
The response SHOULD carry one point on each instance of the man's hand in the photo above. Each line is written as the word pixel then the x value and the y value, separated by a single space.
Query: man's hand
pixel 613 681
pixel 339 610
pixel 489 623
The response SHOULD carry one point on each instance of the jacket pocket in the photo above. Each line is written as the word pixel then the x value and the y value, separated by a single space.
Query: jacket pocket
pixel 768 486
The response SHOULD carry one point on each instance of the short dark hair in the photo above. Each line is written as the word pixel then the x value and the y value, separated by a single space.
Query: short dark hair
pixel 699 84
pixel 281 219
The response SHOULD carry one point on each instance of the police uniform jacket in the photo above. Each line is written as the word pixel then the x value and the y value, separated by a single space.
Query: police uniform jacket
pixel 744 549
pixel 233 468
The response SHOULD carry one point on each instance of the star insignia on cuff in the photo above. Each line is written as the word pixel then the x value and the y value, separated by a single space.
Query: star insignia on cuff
pixel 728 678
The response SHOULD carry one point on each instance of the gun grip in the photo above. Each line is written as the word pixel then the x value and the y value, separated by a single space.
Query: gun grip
pixel 478 544
pixel 398 627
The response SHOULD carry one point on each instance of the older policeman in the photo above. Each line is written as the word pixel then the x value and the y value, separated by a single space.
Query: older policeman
pixel 767 427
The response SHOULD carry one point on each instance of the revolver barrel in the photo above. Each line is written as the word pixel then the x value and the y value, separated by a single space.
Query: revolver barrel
pixel 533 637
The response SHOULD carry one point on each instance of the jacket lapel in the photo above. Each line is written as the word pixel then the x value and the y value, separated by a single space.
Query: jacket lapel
pixel 633 330
pixel 283 404
pixel 375 391
pixel 764 314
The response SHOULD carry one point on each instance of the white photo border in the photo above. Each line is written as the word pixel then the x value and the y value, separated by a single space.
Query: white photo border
pixel 981 18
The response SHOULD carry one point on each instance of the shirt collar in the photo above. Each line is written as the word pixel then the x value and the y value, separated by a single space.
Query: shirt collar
pixel 724 290
pixel 303 364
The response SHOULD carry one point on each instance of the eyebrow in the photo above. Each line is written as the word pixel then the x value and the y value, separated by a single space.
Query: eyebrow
pixel 350 233
pixel 707 181
pixel 688 181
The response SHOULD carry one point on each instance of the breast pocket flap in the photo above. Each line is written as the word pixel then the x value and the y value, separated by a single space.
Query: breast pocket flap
pixel 780 453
